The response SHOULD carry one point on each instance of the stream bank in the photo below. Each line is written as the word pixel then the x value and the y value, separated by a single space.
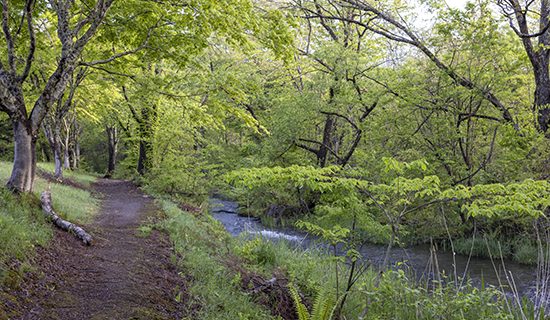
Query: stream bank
pixel 420 259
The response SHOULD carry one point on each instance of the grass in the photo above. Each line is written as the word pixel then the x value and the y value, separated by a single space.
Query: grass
pixel 84 178
pixel 519 248
pixel 203 244
pixel 23 226
pixel 73 204
pixel 483 247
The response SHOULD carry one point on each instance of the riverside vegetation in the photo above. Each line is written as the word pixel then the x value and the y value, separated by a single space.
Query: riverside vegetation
pixel 389 122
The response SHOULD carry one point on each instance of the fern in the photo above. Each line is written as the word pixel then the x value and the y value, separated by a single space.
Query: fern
pixel 323 305
pixel 301 309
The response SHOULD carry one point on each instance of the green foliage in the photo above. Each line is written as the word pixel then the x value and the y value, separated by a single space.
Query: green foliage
pixel 528 198
pixel 395 298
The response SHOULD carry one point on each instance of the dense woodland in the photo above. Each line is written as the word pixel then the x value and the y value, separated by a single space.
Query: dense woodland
pixel 393 122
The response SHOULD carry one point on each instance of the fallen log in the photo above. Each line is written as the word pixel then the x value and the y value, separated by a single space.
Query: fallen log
pixel 46 200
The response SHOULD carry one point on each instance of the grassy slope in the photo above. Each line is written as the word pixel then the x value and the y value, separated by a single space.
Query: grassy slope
pixel 22 225
pixel 203 245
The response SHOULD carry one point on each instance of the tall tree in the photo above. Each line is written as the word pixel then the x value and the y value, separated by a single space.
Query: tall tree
pixel 532 27
pixel 76 23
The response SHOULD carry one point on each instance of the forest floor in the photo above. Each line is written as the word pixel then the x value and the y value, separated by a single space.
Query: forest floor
pixel 125 274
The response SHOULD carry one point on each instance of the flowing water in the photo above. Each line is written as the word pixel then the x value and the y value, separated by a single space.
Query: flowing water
pixel 420 258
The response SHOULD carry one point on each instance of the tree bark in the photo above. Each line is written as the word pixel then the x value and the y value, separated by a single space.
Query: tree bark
pixel 112 136
pixel 24 162
pixel 542 97
pixel 144 159
pixel 538 52
pixel 53 134
pixel 327 141
pixel 66 141
pixel 76 154
pixel 46 200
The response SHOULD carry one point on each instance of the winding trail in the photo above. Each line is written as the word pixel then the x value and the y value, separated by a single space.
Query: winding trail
pixel 123 275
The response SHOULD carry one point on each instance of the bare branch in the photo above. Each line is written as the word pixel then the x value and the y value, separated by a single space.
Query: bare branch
pixel 32 41
pixel 484 162
pixel 7 35
pixel 413 40
pixel 320 144
pixel 121 54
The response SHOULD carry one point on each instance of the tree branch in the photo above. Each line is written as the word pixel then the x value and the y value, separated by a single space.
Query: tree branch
pixel 413 40
pixel 7 35
pixel 32 41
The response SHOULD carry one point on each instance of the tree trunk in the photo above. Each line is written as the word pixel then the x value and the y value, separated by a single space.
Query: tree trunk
pixel 76 154
pixel 143 160
pixel 46 200
pixel 327 141
pixel 146 132
pixel 66 158
pixel 56 149
pixel 58 173
pixel 66 142
pixel 542 97
pixel 45 152
pixel 24 161
pixel 112 136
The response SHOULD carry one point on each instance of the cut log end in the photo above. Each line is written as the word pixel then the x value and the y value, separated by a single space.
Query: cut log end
pixel 46 200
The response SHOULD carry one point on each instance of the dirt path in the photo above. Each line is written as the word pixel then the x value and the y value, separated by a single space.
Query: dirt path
pixel 123 275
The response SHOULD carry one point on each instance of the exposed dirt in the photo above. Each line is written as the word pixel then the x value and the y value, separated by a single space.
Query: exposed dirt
pixel 123 275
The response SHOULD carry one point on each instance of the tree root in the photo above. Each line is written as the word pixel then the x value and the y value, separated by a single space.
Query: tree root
pixel 46 200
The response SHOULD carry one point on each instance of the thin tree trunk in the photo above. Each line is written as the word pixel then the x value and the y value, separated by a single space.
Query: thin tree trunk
pixel 45 152
pixel 24 161
pixel 76 154
pixel 58 172
pixel 143 160
pixel 66 141
pixel 327 141
pixel 112 136
pixel 57 152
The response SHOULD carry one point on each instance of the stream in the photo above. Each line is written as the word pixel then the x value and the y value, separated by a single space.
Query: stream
pixel 419 258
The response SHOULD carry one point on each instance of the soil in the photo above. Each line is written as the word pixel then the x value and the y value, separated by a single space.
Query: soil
pixel 125 274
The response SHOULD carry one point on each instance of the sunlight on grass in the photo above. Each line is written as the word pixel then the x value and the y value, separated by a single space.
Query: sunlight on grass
pixel 75 205
pixel 23 225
